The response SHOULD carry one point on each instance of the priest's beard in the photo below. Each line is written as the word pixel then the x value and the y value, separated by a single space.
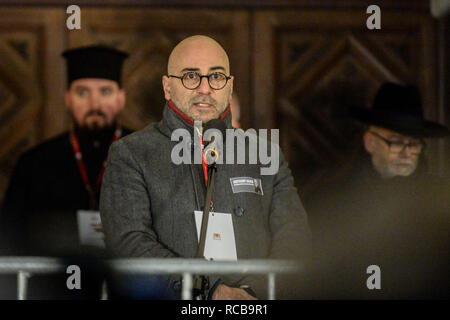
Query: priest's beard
pixel 95 120
pixel 95 131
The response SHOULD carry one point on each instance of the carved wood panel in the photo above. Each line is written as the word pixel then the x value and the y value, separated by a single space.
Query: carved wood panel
pixel 29 82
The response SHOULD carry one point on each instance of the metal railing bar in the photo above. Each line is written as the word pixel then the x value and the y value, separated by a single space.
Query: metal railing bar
pixel 34 265
pixel 25 266
pixel 104 295
pixel 186 288
pixel 271 286
pixel 22 282
pixel 197 266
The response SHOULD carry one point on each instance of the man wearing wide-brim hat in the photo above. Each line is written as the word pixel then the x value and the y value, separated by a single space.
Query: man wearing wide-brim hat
pixel 386 212
pixel 396 130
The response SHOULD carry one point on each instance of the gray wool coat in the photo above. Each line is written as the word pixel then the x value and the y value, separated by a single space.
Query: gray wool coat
pixel 147 203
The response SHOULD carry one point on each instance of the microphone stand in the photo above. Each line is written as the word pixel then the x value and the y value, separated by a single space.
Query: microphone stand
pixel 201 283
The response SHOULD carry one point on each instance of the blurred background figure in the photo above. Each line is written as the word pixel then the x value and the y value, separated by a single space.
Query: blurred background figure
pixel 394 138
pixel 387 211
pixel 51 204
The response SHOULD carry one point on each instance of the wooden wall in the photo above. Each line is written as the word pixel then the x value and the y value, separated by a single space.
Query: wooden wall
pixel 296 66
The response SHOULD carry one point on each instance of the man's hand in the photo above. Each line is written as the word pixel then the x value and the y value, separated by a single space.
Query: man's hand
pixel 224 292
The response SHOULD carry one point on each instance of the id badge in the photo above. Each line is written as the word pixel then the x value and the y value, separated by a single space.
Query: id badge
pixel 90 229
pixel 220 244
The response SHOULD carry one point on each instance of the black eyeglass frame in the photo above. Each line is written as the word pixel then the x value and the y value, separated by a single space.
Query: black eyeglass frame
pixel 201 77
pixel 390 143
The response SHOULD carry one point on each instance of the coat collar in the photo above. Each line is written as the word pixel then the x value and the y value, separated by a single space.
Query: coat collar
pixel 174 118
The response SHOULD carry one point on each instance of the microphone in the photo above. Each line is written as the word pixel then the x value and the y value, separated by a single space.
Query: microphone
pixel 214 148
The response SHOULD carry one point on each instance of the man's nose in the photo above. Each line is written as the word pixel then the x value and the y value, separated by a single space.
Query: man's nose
pixel 204 87
pixel 95 101
pixel 406 152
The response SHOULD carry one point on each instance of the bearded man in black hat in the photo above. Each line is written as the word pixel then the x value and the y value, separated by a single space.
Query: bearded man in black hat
pixel 54 191
pixel 387 212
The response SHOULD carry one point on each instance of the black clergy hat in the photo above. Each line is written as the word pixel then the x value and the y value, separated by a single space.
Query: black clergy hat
pixel 399 108
pixel 94 62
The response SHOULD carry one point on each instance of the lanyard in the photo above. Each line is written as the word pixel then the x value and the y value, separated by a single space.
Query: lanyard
pixel 198 131
pixel 82 168
pixel 205 173
pixel 204 165
pixel 205 168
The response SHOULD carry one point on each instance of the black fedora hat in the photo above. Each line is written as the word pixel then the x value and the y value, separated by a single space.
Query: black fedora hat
pixel 399 108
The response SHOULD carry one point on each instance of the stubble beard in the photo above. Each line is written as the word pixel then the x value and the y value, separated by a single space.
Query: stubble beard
pixel 403 167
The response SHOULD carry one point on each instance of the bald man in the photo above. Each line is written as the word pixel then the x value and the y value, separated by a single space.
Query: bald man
pixel 148 202
pixel 192 57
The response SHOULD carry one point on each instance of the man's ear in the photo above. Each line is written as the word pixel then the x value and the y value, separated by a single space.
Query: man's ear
pixel 166 87
pixel 369 142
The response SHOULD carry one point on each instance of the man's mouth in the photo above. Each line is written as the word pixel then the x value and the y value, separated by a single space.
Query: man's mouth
pixel 203 105
pixel 96 114
pixel 404 164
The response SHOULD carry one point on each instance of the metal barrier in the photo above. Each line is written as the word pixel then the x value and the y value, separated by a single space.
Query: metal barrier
pixel 26 267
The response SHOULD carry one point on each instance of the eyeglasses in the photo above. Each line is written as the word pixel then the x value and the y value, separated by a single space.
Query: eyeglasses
pixel 397 146
pixel 192 80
